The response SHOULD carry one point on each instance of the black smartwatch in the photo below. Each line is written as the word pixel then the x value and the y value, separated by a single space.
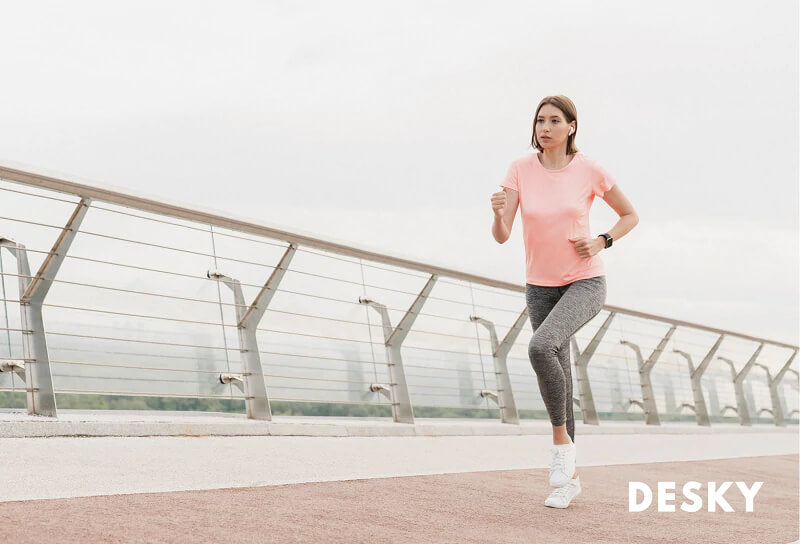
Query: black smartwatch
pixel 608 238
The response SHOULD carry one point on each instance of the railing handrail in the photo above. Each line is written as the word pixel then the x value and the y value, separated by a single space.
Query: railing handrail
pixel 37 177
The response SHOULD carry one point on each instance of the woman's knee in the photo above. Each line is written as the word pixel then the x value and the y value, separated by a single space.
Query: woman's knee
pixel 541 352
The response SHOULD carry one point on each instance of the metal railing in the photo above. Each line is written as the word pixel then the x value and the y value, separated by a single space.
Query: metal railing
pixel 146 298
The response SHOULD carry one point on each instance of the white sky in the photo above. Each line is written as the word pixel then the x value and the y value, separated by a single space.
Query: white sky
pixel 390 124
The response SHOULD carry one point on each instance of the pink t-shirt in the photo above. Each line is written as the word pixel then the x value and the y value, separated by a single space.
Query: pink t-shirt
pixel 554 205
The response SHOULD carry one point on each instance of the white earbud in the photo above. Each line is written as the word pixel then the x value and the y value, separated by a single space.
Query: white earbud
pixel 571 130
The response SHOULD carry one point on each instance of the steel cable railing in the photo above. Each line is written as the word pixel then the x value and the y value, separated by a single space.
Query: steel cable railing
pixel 97 207
pixel 224 258
pixel 206 279
pixel 314 306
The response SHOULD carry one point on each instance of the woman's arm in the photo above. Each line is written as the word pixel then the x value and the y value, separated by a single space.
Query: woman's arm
pixel 627 215
pixel 504 206
pixel 627 220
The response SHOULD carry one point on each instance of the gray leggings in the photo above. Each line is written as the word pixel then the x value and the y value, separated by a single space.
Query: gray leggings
pixel 556 313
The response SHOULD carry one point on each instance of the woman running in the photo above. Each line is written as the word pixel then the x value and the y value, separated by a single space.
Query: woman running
pixel 565 278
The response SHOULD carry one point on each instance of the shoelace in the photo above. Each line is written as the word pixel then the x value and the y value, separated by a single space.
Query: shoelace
pixel 561 492
pixel 560 463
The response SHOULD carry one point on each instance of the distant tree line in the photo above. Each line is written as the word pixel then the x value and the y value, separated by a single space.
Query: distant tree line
pixel 67 401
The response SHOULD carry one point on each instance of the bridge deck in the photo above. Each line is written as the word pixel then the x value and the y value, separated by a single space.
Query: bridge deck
pixel 454 481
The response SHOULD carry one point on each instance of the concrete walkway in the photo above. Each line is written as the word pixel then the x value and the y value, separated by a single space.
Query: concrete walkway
pixel 17 423
pixel 183 477
pixel 72 466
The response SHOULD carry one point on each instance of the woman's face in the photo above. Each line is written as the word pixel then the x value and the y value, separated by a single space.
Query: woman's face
pixel 552 128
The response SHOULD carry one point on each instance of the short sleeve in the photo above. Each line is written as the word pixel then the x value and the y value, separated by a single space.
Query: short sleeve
pixel 603 181
pixel 511 180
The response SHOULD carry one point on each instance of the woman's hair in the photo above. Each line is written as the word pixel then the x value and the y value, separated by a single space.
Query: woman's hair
pixel 570 112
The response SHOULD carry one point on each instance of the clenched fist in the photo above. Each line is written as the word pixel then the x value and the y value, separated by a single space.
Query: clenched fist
pixel 587 247
pixel 499 203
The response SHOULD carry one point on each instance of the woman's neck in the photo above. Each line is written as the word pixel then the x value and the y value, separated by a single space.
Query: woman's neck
pixel 555 158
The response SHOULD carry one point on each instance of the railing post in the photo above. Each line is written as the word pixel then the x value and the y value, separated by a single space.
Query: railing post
pixel 727 407
pixel 645 369
pixel 738 385
pixel 747 386
pixel 253 383
pixel 777 409
pixel 588 410
pixel 41 399
pixel 505 400
pixel 402 411
pixel 795 386
pixel 744 415
pixel 696 376
pixel 714 406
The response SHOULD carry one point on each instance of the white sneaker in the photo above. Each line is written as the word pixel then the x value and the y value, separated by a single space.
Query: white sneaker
pixel 562 496
pixel 562 463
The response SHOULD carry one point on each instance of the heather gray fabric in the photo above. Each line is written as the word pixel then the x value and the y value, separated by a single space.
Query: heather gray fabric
pixel 556 313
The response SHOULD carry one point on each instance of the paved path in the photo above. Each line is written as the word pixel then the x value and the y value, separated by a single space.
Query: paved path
pixel 361 480
pixel 489 506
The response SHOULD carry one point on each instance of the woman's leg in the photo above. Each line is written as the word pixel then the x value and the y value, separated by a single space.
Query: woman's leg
pixel 565 361
pixel 540 301
pixel 556 314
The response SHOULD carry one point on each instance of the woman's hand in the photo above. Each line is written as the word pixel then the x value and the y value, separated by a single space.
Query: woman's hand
pixel 499 203
pixel 588 247
pixel 504 207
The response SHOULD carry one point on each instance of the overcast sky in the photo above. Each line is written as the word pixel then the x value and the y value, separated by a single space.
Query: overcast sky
pixel 389 125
